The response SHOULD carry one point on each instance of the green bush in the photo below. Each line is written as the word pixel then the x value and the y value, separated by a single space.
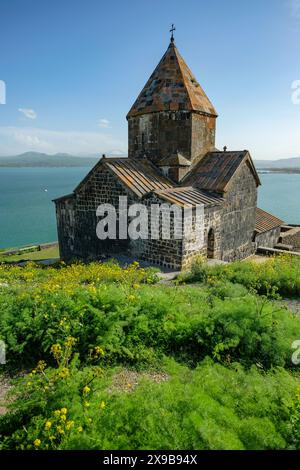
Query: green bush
pixel 211 407
pixel 222 345
pixel 281 273
pixel 138 325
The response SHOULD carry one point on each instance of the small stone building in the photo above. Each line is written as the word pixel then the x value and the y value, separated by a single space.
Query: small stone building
pixel 172 160
pixel 267 229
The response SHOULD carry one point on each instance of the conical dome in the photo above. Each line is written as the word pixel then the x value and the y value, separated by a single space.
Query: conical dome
pixel 172 87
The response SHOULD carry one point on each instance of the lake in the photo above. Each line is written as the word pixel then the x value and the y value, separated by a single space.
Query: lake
pixel 27 213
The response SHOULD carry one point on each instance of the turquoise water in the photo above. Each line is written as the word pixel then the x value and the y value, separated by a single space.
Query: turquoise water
pixel 27 213
pixel 280 195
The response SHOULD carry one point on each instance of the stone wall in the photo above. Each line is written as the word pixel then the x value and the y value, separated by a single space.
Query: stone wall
pixel 268 239
pixel 158 135
pixel 166 253
pixel 238 217
pixel 65 217
pixel 175 253
pixel 292 237
pixel 203 136
pixel 102 187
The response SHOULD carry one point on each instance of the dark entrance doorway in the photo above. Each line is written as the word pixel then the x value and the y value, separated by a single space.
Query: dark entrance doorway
pixel 211 244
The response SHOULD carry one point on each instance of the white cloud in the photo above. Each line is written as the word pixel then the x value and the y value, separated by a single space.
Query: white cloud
pixel 14 140
pixel 104 123
pixel 29 113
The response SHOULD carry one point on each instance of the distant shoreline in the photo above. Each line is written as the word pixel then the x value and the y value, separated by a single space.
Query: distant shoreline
pixel 279 170
pixel 90 164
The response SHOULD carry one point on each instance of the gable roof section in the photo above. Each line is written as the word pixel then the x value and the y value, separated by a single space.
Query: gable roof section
pixel 188 197
pixel 172 87
pixel 139 175
pixel 266 221
pixel 216 170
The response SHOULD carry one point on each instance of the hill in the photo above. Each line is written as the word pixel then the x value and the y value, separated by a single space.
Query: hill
pixel 287 163
pixel 36 159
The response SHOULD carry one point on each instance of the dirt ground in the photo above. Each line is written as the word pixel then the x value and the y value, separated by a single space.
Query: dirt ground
pixel 127 380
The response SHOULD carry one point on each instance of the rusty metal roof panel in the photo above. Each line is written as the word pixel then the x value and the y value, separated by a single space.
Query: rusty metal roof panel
pixel 266 221
pixel 172 87
pixel 188 197
pixel 138 175
pixel 215 171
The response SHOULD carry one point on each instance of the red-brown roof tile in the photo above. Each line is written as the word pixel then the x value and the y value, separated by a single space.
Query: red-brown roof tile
pixel 266 221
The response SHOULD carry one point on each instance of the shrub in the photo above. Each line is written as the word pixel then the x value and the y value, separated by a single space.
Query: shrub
pixel 138 325
pixel 281 273
pixel 212 407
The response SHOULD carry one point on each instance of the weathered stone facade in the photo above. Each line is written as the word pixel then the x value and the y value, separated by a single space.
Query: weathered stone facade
pixel 238 217
pixel 158 135
pixel 291 237
pixel 172 160
pixel 269 238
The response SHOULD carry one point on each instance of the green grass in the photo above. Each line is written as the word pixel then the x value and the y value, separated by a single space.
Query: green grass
pixel 51 252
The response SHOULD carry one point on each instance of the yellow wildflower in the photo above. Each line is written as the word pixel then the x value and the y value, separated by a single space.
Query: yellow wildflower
pixel 80 429
pixel 57 412
pixel 70 341
pixel 86 390
pixel 102 405
pixel 48 425
pixel 99 351
pixel 37 443
pixel 69 425
pixel 64 373
pixel 64 411
pixel 60 430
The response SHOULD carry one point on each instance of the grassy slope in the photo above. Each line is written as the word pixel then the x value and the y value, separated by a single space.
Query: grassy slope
pixel 52 252
pixel 242 397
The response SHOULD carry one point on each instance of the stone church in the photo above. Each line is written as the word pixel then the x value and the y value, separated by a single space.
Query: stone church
pixel 172 159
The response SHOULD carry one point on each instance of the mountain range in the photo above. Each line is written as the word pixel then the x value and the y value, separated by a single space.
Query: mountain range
pixel 36 159
pixel 286 163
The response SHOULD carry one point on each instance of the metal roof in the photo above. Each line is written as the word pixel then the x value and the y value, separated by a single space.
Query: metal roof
pixel 215 171
pixel 188 197
pixel 266 221
pixel 138 175
pixel 172 87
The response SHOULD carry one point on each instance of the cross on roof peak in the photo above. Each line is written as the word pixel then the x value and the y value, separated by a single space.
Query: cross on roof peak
pixel 172 32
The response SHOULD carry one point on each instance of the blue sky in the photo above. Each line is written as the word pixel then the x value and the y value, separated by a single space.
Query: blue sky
pixel 72 70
